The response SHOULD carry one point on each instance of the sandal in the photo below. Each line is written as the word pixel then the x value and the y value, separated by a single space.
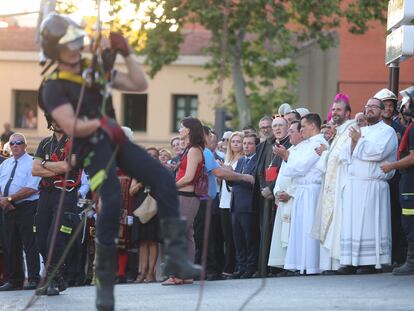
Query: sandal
pixel 173 281
pixel 150 278
pixel 140 278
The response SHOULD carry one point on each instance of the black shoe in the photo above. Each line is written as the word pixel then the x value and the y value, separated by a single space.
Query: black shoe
pixel 328 272
pixel 366 270
pixel 346 270
pixel 256 275
pixel 215 277
pixel 247 275
pixel 408 267
pixel 30 285
pixel 176 262
pixel 387 268
pixel 129 280
pixel 52 289
pixel 41 291
pixel 121 279
pixel 285 273
pixel 237 275
pixel 62 284
pixel 9 287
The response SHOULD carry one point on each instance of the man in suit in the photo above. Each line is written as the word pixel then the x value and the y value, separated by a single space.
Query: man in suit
pixel 243 212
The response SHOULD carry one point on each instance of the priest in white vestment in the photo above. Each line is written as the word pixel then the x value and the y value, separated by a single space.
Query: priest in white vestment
pixel 303 250
pixel 327 225
pixel 284 192
pixel 366 219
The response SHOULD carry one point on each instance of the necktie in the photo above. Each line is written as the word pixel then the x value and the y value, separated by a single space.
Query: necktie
pixel 246 162
pixel 7 187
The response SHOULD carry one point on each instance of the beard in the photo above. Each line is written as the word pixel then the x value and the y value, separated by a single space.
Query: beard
pixel 372 119
pixel 338 120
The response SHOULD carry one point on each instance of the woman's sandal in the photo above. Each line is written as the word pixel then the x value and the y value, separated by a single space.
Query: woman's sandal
pixel 150 278
pixel 173 281
pixel 140 278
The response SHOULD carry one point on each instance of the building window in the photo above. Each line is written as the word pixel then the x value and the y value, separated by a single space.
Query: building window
pixel 25 113
pixel 184 106
pixel 135 111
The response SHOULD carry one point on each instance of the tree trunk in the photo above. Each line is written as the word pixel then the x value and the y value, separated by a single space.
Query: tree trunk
pixel 240 93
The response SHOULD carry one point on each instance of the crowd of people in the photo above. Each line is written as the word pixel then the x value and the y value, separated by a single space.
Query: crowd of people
pixel 297 196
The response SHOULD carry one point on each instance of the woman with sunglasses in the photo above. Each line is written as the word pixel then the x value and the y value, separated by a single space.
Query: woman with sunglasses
pixel 189 169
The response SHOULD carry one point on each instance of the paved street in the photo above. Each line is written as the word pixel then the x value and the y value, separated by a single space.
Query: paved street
pixel 373 292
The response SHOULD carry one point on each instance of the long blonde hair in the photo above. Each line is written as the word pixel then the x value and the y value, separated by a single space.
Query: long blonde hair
pixel 230 155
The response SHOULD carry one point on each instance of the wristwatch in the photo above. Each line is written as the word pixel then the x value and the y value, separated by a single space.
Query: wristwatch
pixel 43 163
pixel 9 199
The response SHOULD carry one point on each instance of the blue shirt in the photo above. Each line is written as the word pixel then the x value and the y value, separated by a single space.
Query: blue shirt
pixel 23 177
pixel 84 187
pixel 210 165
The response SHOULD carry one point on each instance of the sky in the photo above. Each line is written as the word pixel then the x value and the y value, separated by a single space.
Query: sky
pixel 13 6
pixel 20 6
pixel 86 7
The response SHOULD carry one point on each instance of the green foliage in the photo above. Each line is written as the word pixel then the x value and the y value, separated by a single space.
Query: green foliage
pixel 260 35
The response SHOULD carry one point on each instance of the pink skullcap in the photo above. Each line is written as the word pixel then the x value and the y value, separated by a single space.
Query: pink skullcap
pixel 340 97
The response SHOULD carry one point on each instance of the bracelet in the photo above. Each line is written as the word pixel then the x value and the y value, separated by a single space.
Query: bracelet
pixel 43 163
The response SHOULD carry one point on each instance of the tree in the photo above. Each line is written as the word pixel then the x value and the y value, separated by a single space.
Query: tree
pixel 252 41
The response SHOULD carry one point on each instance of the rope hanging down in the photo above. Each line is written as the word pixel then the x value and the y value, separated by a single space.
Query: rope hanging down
pixel 88 75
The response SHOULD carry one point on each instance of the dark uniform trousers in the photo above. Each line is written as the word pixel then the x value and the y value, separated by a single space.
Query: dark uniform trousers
pixel 136 162
pixel 407 204
pixel 18 229
pixel 215 255
pixel 399 240
pixel 46 217
pixel 3 251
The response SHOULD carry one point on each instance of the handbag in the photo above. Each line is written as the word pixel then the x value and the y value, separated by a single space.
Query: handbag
pixel 201 183
pixel 147 209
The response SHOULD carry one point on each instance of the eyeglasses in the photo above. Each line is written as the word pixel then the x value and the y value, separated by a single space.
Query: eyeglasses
pixel 372 107
pixel 265 127
pixel 16 142
pixel 224 139
pixel 277 116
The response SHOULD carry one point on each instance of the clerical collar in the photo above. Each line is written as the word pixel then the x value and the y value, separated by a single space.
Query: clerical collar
pixel 283 140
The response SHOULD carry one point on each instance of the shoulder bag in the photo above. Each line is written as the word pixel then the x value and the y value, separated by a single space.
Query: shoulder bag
pixel 147 209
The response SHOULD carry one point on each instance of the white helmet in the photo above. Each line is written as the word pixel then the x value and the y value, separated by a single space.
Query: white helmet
pixel 302 111
pixel 385 94
pixel 284 109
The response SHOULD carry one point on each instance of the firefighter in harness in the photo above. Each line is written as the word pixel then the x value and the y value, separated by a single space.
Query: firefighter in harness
pixel 101 146
pixel 405 165
pixel 50 163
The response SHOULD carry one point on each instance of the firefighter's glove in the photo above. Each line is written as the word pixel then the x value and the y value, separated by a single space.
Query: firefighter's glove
pixel 119 43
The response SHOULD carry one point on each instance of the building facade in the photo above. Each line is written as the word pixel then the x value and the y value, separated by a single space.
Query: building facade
pixel 355 66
